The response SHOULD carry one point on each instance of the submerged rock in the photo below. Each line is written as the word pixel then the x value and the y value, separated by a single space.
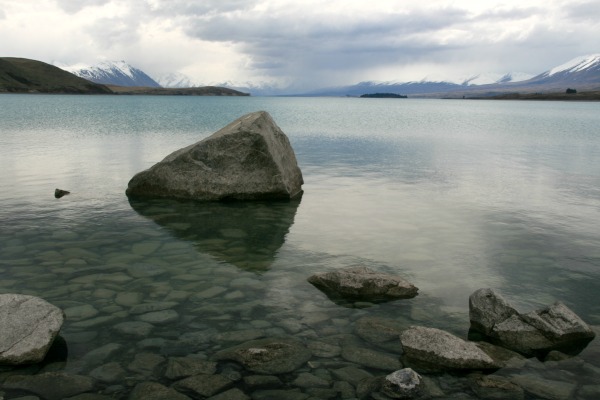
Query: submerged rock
pixel 28 327
pixel 362 283
pixel 249 159
pixel 434 349
pixel 540 331
pixel 270 356
pixel 51 385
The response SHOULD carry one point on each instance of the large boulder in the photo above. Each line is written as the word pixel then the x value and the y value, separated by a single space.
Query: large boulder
pixel 433 349
pixel 28 327
pixel 539 331
pixel 249 159
pixel 362 283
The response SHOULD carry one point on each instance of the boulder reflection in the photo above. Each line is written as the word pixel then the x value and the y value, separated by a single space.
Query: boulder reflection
pixel 245 234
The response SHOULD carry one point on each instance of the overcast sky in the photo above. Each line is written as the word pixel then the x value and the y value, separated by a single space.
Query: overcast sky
pixel 305 43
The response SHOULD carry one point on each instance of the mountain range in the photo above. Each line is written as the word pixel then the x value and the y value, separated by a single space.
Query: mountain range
pixel 112 73
pixel 582 73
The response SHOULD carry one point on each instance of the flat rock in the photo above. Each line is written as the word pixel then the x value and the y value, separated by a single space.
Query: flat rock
pixel 362 283
pixel 135 329
pixel 495 387
pixel 155 391
pixel 371 358
pixel 28 327
pixel 251 158
pixel 269 356
pixel 51 385
pixel 437 349
pixel 203 385
pixel 182 367
pixel 381 332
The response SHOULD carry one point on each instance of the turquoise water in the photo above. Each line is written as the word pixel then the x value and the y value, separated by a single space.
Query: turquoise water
pixel 453 195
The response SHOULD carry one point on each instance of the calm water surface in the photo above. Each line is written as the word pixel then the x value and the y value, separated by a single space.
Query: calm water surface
pixel 452 195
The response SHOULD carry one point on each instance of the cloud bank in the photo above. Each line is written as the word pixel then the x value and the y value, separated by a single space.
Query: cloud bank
pixel 304 44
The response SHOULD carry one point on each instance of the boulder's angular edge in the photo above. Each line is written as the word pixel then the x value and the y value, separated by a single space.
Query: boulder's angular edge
pixel 249 159
pixel 28 327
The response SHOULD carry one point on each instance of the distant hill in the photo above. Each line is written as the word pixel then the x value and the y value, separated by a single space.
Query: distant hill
pixel 194 91
pixel 112 73
pixel 21 75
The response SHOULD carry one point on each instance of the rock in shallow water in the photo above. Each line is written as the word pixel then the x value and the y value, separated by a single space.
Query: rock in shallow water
pixel 28 326
pixel 438 350
pixel 268 356
pixel 249 159
pixel 362 283
pixel 402 384
pixel 552 327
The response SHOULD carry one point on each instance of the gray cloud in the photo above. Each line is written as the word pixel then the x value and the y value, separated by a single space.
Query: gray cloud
pixel 329 43
pixel 74 6
pixel 585 12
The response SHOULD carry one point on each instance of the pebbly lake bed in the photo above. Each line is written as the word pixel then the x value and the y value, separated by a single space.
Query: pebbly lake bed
pixel 453 195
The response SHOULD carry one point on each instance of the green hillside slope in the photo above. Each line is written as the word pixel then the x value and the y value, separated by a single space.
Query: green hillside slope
pixel 22 75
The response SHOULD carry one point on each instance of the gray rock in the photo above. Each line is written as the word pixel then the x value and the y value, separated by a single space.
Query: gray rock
pixel 308 380
pixel 28 327
pixel 293 394
pixel 439 350
pixel 135 329
pixel 491 387
pixel 51 385
pixel 371 358
pixel 110 373
pixel 182 367
pixel 145 363
pixel 363 283
pixel 251 158
pixel 486 308
pixel 155 391
pixel 402 384
pixel 152 307
pixel 381 332
pixel 545 388
pixel 351 375
pixel 231 394
pixel 160 317
pixel 550 328
pixel 270 356
pixel 203 385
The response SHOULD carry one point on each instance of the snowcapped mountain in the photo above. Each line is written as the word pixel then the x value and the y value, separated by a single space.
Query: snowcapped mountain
pixel 580 70
pixel 112 73
pixel 177 80
pixel 492 78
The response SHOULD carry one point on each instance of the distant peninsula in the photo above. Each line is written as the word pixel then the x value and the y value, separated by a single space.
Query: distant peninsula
pixel 22 75
pixel 383 96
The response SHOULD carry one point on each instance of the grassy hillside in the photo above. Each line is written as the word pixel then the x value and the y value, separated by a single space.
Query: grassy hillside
pixel 21 75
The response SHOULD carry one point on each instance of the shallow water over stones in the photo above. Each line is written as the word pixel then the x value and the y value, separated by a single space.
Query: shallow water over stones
pixel 172 311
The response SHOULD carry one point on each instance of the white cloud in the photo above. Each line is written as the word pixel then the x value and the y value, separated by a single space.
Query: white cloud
pixel 308 42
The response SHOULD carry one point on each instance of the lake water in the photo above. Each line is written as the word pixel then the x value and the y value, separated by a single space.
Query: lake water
pixel 453 195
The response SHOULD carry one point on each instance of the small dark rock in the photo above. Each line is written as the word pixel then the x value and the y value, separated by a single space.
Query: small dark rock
pixel 58 193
